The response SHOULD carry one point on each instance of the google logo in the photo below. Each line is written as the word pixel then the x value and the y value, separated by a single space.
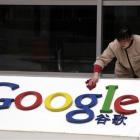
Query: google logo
pixel 82 108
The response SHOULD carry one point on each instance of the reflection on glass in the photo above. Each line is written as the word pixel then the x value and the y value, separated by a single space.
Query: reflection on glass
pixel 47 38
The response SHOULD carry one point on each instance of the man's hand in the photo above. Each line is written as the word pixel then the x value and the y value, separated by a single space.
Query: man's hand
pixel 91 83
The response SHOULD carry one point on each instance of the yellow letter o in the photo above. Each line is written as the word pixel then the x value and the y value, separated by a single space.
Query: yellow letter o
pixel 66 105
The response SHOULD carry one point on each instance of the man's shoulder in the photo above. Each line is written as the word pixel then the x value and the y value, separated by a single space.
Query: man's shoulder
pixel 114 44
pixel 136 37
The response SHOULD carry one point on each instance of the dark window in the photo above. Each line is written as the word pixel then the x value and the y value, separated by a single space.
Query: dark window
pixel 114 16
pixel 47 38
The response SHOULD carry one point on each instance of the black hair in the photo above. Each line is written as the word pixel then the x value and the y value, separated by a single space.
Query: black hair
pixel 124 33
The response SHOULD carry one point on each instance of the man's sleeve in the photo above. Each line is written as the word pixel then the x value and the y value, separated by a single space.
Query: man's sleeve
pixel 103 59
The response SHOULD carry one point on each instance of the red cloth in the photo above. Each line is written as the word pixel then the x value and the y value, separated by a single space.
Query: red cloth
pixel 97 68
pixel 92 86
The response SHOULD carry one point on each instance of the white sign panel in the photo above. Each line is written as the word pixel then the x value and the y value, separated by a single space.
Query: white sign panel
pixel 65 105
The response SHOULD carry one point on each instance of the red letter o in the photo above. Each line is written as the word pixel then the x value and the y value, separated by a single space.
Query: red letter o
pixel 19 98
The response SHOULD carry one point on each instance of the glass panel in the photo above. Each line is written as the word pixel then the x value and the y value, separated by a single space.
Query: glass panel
pixel 47 38
pixel 114 16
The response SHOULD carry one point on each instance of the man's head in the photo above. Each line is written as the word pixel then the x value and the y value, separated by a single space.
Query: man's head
pixel 124 36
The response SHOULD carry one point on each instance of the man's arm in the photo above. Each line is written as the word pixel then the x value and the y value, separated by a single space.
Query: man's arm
pixel 98 66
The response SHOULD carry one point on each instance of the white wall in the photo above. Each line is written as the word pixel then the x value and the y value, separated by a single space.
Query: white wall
pixel 41 123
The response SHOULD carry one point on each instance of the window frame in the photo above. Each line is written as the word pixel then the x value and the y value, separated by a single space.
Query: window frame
pixel 98 3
